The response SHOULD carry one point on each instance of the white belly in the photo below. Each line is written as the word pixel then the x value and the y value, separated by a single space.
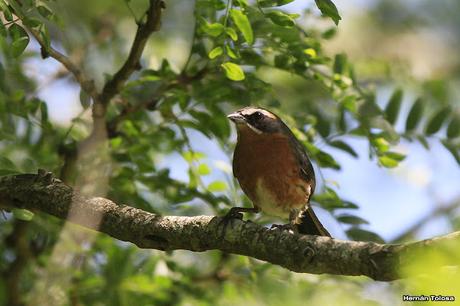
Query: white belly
pixel 269 204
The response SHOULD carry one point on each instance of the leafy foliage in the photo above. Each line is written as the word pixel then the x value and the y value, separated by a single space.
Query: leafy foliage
pixel 242 53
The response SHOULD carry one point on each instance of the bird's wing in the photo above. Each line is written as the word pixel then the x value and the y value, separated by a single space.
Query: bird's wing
pixel 306 168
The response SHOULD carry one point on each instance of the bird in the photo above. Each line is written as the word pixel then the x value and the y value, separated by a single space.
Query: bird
pixel 274 170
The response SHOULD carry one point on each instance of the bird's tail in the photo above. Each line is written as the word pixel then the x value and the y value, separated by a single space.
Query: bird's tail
pixel 310 224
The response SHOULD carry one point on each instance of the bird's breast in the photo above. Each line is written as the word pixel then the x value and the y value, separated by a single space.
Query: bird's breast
pixel 269 173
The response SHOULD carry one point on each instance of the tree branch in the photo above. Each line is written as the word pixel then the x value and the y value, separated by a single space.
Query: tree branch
pixel 144 30
pixel 299 253
pixel 86 83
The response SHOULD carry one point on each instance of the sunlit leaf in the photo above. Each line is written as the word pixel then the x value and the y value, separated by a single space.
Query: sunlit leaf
pixel 217 186
pixel 230 52
pixel 233 71
pixel 215 52
pixel 388 162
pixel 203 169
pixel 191 156
pixel 381 144
pixel 23 214
pixel 242 23
pixel 310 52
pixel 396 156
pixel 231 33
pixel 212 29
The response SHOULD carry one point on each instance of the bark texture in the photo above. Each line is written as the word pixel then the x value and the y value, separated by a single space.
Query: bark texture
pixel 299 253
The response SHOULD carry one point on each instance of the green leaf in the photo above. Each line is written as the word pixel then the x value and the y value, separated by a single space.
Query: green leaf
pixel 350 219
pixel 453 129
pixel 311 53
pixel 217 186
pixel 242 23
pixel 454 150
pixel 6 11
pixel 394 105
pixel 215 52
pixel 233 71
pixel 204 169
pixel 423 141
pixel 20 39
pixel 281 19
pixel 350 103
pixel 388 162
pixel 435 123
pixel 340 62
pixel 415 114
pixel 360 234
pixel 191 156
pixel 32 22
pixel 328 34
pixel 231 53
pixel 44 11
pixel 344 147
pixel 231 33
pixel 3 31
pixel 212 29
pixel 271 3
pixel 396 156
pixel 327 161
pixel 328 8
pixel 23 214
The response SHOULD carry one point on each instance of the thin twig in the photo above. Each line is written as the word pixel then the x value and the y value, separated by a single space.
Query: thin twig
pixel 86 83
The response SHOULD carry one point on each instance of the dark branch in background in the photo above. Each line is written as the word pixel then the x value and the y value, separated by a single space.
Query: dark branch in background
pixel 144 30
pixel 299 253
pixel 86 83
pixel 16 240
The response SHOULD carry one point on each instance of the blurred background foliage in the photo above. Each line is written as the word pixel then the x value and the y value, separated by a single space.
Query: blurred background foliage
pixel 378 87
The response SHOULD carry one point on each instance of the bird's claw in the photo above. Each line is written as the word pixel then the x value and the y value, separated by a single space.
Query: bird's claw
pixel 292 228
pixel 234 213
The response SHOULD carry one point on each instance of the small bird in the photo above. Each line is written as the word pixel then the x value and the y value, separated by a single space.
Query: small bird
pixel 273 170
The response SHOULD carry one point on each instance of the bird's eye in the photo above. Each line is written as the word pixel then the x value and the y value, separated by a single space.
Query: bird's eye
pixel 257 115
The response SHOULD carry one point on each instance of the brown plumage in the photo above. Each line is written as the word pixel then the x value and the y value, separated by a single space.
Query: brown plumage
pixel 274 170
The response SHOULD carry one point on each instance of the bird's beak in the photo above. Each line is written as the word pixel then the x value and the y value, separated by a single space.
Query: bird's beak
pixel 236 117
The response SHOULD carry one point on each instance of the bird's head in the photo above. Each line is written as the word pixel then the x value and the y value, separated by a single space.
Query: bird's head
pixel 259 120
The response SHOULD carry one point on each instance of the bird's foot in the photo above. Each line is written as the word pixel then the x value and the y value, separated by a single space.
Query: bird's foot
pixel 291 228
pixel 234 213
